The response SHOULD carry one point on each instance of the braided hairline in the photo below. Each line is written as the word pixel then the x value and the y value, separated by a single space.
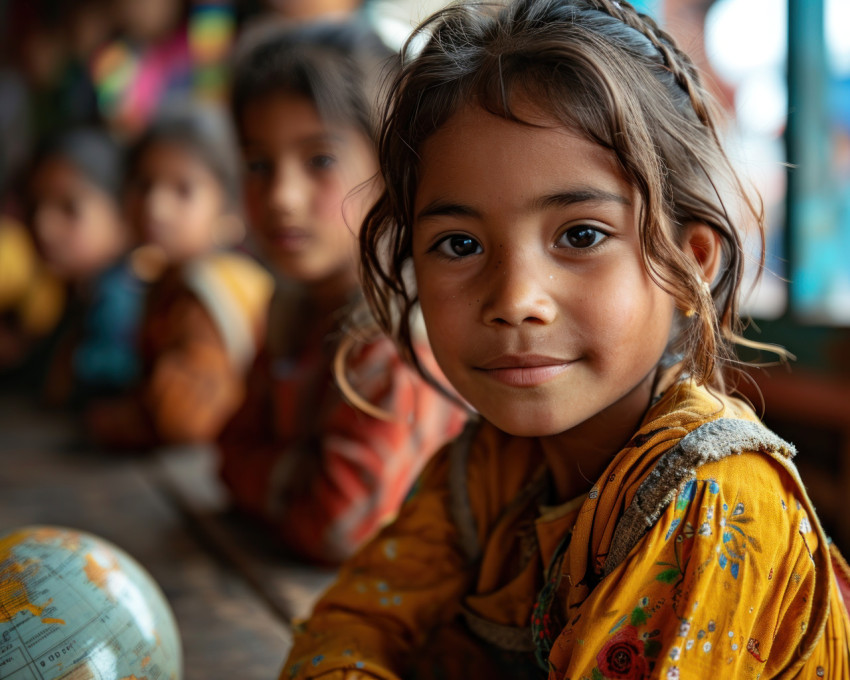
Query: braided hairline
pixel 676 61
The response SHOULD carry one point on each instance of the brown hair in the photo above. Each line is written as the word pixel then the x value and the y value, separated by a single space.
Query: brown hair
pixel 610 73
pixel 336 64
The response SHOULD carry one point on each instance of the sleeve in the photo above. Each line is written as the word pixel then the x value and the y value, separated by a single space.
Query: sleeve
pixel 723 585
pixel 401 586
pixel 326 496
pixel 189 390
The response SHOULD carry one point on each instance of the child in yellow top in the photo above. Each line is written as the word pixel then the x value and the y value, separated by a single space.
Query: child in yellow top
pixel 555 179
pixel 205 308
pixel 31 298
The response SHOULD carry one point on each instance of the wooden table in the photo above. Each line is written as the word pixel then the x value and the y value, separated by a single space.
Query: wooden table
pixel 233 594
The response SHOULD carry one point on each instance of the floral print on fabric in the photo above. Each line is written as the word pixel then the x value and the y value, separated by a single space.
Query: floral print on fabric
pixel 622 657
pixel 704 532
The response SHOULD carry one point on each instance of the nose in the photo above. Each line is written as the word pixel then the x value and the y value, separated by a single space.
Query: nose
pixel 156 203
pixel 519 291
pixel 289 190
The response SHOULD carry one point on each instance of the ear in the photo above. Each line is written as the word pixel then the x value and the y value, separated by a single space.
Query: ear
pixel 703 244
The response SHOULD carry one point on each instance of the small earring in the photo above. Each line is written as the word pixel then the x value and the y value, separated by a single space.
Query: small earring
pixel 706 289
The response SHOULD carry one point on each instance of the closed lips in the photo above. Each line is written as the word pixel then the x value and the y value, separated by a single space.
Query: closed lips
pixel 524 370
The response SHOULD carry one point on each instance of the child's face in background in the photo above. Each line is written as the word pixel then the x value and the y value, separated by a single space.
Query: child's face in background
pixel 147 21
pixel 78 225
pixel 175 202
pixel 299 171
pixel 530 275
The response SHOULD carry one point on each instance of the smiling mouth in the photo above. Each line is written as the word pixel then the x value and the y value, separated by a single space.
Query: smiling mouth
pixel 524 371
pixel 288 239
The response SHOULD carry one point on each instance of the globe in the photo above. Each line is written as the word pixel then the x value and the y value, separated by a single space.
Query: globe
pixel 75 606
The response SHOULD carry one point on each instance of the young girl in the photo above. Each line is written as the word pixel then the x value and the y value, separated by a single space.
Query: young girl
pixel 554 176
pixel 324 469
pixel 75 214
pixel 205 310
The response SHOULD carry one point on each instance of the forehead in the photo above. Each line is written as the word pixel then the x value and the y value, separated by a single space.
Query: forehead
pixel 57 174
pixel 169 157
pixel 281 119
pixel 477 153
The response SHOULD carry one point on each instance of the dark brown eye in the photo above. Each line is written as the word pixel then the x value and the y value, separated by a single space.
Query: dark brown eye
pixel 457 246
pixel 581 237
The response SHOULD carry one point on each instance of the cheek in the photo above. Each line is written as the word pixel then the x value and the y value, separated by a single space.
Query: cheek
pixel 643 317
pixel 206 213
pixel 625 313
pixel 254 200
pixel 96 225
pixel 329 201
pixel 444 311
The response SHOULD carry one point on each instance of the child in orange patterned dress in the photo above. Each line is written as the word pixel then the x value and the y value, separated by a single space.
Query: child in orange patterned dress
pixel 205 308
pixel 323 464
pixel 554 179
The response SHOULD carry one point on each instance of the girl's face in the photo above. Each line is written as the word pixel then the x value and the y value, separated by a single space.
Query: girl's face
pixel 299 172
pixel 174 201
pixel 529 271
pixel 77 224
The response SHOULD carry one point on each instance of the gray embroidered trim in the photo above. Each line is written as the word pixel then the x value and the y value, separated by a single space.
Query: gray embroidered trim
pixel 710 442
pixel 459 505
pixel 509 638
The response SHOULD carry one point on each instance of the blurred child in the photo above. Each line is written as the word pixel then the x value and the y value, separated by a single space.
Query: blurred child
pixel 204 313
pixel 75 214
pixel 31 298
pixel 555 180
pixel 324 468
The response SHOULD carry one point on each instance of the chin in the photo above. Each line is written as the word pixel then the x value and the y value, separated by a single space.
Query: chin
pixel 531 426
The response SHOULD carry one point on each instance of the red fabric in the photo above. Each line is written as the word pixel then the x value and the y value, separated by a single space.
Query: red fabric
pixel 324 474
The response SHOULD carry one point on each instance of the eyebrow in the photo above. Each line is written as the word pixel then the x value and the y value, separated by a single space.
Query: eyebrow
pixel 319 138
pixel 559 199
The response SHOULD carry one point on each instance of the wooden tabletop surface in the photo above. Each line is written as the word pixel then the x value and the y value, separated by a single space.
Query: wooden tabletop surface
pixel 233 593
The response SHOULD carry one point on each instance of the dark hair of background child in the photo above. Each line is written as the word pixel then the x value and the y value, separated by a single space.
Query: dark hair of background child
pixel 338 65
pixel 90 150
pixel 203 132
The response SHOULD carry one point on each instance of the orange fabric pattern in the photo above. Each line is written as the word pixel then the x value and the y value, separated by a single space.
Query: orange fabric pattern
pixel 733 579
pixel 316 468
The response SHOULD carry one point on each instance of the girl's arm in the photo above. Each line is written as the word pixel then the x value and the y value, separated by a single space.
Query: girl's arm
pixel 725 584
pixel 402 585
pixel 326 494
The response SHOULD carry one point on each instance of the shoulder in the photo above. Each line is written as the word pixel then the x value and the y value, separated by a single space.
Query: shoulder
pixel 736 456
pixel 120 279
pixel 752 489
pixel 229 273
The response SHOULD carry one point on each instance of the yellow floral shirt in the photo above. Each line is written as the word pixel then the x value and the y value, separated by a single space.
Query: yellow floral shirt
pixel 723 573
